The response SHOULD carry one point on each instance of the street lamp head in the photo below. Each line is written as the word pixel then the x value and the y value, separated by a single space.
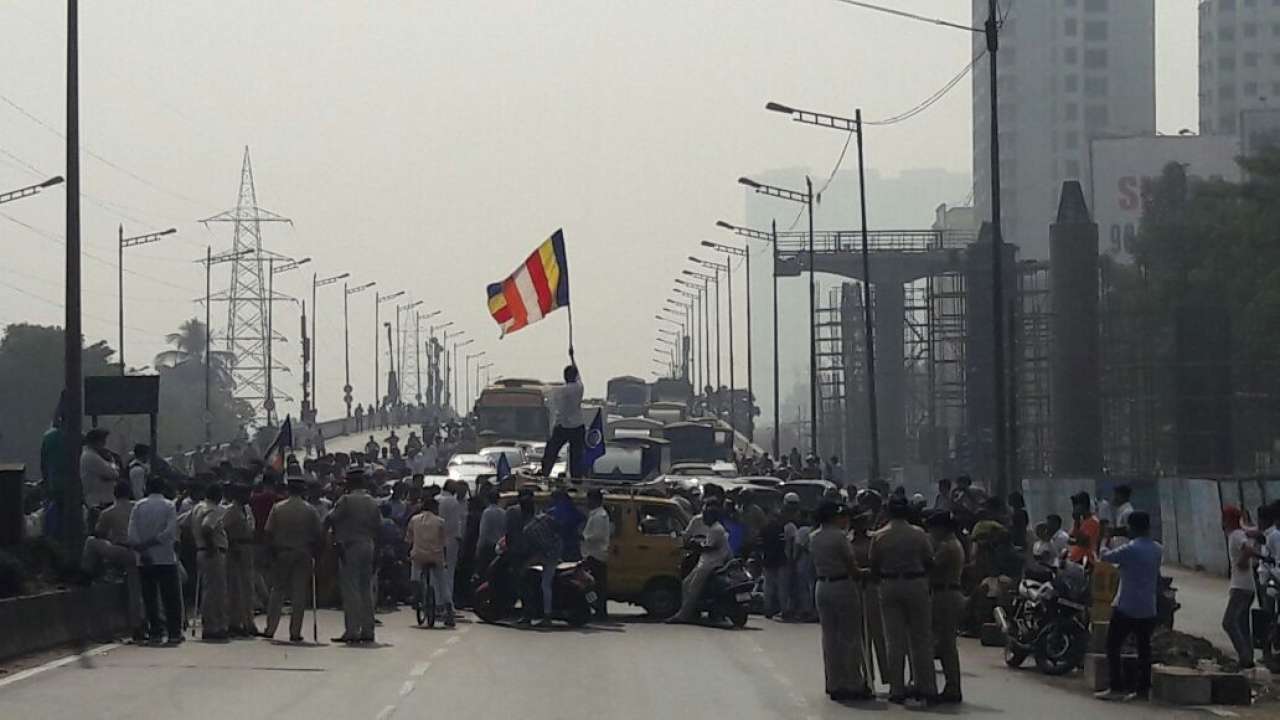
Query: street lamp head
pixel 780 108
pixel 170 231
pixel 302 261
pixel 343 276
pixel 749 183
pixel 709 244
pixel 725 225
pixel 55 180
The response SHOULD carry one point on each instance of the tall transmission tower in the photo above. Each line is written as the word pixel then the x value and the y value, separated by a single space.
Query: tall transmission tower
pixel 247 298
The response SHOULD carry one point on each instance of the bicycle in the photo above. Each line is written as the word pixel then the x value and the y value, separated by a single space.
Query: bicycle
pixel 424 601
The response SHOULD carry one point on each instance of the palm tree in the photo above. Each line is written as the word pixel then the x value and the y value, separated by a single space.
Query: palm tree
pixel 190 343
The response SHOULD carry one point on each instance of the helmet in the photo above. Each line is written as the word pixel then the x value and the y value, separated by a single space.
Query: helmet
pixel 791 499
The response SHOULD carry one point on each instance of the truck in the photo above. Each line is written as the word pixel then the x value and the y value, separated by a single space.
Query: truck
pixel 626 396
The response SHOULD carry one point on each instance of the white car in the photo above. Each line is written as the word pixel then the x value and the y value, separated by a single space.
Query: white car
pixel 469 468
pixel 515 456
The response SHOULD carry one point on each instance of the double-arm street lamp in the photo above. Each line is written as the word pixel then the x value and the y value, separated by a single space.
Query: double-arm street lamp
pixel 691 329
pixel 125 242
pixel 771 238
pixel 29 190
pixel 347 292
pixel 705 321
pixel 273 269
pixel 805 198
pixel 745 253
pixel 378 300
pixel 467 379
pixel 454 373
pixel 854 126
pixel 716 268
pixel 316 283
pixel 707 281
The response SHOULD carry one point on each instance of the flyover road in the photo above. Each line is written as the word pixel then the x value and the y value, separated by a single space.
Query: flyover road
pixel 632 669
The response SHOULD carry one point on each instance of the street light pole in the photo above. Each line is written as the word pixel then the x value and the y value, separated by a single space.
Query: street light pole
pixel 805 198
pixel 315 310
pixel 377 342
pixel 727 267
pixel 123 243
pixel 854 126
pixel 29 190
pixel 347 292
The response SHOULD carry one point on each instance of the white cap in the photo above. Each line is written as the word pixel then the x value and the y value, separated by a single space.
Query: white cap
pixel 791 499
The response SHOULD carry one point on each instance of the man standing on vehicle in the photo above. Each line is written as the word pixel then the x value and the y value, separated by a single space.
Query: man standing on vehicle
pixel 595 548
pixel 566 408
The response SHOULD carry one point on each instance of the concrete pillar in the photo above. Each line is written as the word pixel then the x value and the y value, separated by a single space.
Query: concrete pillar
pixel 891 372
pixel 1075 365
pixel 979 353
pixel 12 521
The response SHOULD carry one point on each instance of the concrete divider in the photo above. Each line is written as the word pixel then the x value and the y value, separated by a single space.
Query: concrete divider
pixel 33 623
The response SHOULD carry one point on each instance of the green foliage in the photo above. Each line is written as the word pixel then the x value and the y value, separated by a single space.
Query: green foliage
pixel 31 381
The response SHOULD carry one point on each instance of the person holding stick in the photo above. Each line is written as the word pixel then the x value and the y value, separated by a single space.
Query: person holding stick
pixel 566 408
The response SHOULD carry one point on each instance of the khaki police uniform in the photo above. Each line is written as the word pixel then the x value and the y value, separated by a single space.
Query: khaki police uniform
pixel 238 523
pixel 839 611
pixel 211 558
pixel 869 590
pixel 292 531
pixel 901 555
pixel 355 520
pixel 948 606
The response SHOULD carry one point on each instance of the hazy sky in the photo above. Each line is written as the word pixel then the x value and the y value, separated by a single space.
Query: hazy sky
pixel 431 145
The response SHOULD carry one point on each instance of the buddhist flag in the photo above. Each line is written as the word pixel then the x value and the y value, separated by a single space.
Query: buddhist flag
pixel 538 286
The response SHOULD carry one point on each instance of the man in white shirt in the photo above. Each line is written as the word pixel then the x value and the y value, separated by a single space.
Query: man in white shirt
pixel 98 475
pixel 595 548
pixel 566 408
pixel 1059 539
pixel 153 530
pixel 453 514
pixel 1240 553
pixel 139 469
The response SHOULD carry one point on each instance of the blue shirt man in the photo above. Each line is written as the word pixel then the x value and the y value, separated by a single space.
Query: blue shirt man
pixel 1139 564
pixel 1134 611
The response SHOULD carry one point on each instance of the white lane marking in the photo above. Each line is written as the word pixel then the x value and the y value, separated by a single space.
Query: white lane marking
pixel 406 688
pixel 386 712
pixel 420 669
pixel 438 652
pixel 54 664
pixel 452 641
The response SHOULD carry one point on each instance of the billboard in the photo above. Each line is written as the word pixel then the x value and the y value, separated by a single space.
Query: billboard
pixel 1124 167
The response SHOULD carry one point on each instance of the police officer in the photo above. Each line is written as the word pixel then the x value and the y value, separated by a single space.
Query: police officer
pixel 292 535
pixel 839 605
pixel 901 557
pixel 873 639
pixel 238 523
pixel 211 546
pixel 355 521
pixel 948 600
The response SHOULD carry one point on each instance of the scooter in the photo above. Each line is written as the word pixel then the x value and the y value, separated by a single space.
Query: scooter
pixel 727 593
pixel 573 591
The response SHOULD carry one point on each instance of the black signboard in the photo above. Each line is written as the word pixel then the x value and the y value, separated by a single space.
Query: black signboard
pixel 121 395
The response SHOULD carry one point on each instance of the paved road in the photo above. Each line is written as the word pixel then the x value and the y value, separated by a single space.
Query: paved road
pixel 630 670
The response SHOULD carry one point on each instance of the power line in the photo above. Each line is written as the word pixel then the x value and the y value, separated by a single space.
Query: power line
pixel 33 118
pixel 910 16
pixel 932 99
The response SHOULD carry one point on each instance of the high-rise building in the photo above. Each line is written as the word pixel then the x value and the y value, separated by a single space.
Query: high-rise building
pixel 1069 71
pixel 1239 61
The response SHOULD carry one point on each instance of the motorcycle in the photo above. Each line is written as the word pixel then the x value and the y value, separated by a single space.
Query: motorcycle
pixel 727 594
pixel 1048 619
pixel 573 591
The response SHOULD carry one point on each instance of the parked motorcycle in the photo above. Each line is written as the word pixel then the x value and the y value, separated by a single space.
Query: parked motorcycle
pixel 573 592
pixel 728 592
pixel 1048 619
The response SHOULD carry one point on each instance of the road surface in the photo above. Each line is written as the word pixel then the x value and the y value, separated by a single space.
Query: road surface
pixel 633 669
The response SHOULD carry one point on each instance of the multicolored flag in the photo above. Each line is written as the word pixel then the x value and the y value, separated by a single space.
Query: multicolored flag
pixel 280 447
pixel 538 286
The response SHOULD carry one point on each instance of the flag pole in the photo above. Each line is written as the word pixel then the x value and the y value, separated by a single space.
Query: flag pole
pixel 569 307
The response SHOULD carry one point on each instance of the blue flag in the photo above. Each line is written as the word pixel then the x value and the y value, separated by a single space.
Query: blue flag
pixel 593 447
pixel 504 467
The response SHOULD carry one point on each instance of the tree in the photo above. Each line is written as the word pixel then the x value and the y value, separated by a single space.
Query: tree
pixel 190 345
pixel 31 368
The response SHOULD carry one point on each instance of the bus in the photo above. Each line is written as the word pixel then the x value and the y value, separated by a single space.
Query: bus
pixel 514 409
pixel 627 396
pixel 707 441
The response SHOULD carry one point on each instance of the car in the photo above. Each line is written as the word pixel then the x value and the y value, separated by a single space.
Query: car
pixel 645 550
pixel 762 480
pixel 811 492
pixel 768 499
pixel 515 456
pixel 693 469
pixel 470 468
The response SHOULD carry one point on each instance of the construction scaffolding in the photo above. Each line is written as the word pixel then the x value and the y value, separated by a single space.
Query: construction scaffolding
pixel 1031 434
pixel 945 298
pixel 832 397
